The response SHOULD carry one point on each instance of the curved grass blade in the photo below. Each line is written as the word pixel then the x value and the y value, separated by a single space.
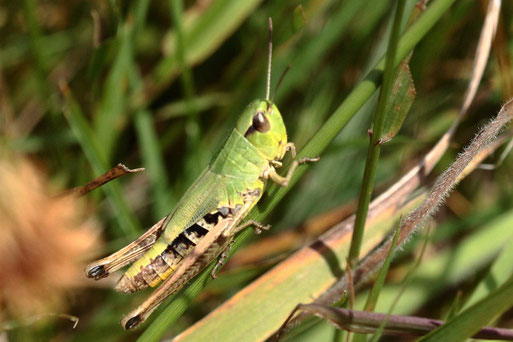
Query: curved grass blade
pixel 365 322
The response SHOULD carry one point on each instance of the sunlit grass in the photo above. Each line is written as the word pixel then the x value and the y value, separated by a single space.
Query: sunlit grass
pixel 79 95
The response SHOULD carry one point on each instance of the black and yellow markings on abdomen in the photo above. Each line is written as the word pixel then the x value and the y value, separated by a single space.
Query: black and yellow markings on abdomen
pixel 163 264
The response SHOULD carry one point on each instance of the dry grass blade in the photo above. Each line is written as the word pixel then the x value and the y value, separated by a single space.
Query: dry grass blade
pixel 117 171
pixel 483 51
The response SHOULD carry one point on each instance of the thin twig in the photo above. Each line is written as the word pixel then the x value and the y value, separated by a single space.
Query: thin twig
pixel 117 171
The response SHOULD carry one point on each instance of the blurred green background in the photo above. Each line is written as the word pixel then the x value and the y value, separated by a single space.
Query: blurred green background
pixel 159 84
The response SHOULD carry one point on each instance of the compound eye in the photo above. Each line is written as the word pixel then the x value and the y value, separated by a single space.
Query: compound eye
pixel 260 123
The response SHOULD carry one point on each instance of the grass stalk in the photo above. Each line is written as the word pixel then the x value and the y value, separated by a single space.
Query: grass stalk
pixel 374 150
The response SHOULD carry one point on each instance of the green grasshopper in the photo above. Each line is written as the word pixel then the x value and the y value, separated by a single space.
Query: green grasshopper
pixel 204 222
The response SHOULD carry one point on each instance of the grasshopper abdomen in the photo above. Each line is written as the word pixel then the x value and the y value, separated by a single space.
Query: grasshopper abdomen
pixel 166 259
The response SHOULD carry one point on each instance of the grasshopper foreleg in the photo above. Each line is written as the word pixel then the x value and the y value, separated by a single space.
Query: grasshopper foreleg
pixel 284 181
pixel 292 148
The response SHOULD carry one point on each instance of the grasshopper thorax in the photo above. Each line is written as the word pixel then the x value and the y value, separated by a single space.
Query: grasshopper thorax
pixel 262 125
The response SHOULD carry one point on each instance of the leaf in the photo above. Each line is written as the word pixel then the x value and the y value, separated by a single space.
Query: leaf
pixel 401 99
pixel 299 19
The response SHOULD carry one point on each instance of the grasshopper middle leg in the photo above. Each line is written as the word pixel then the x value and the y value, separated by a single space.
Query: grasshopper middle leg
pixel 221 260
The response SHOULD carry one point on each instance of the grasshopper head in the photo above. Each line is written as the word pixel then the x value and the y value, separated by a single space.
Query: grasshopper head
pixel 262 125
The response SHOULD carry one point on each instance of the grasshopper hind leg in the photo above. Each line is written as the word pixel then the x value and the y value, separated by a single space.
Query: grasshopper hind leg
pixel 103 267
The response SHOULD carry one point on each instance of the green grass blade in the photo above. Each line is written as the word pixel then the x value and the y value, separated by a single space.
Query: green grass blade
pixel 474 318
pixel 151 154
pixel 203 34
pixel 192 127
pixel 111 118
pixel 333 29
pixel 498 274
pixel 372 299
pixel 449 267
pixel 36 46
pixel 202 103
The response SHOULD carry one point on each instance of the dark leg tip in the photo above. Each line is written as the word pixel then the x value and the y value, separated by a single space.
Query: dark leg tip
pixel 97 272
pixel 133 322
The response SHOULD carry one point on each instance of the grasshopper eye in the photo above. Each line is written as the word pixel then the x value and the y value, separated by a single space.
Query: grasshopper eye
pixel 260 123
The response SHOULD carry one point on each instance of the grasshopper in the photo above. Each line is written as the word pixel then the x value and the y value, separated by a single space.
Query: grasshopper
pixel 205 220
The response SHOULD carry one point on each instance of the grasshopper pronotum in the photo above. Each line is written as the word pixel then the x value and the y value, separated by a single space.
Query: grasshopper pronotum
pixel 205 220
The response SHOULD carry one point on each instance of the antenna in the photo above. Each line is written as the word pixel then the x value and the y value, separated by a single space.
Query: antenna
pixel 268 88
